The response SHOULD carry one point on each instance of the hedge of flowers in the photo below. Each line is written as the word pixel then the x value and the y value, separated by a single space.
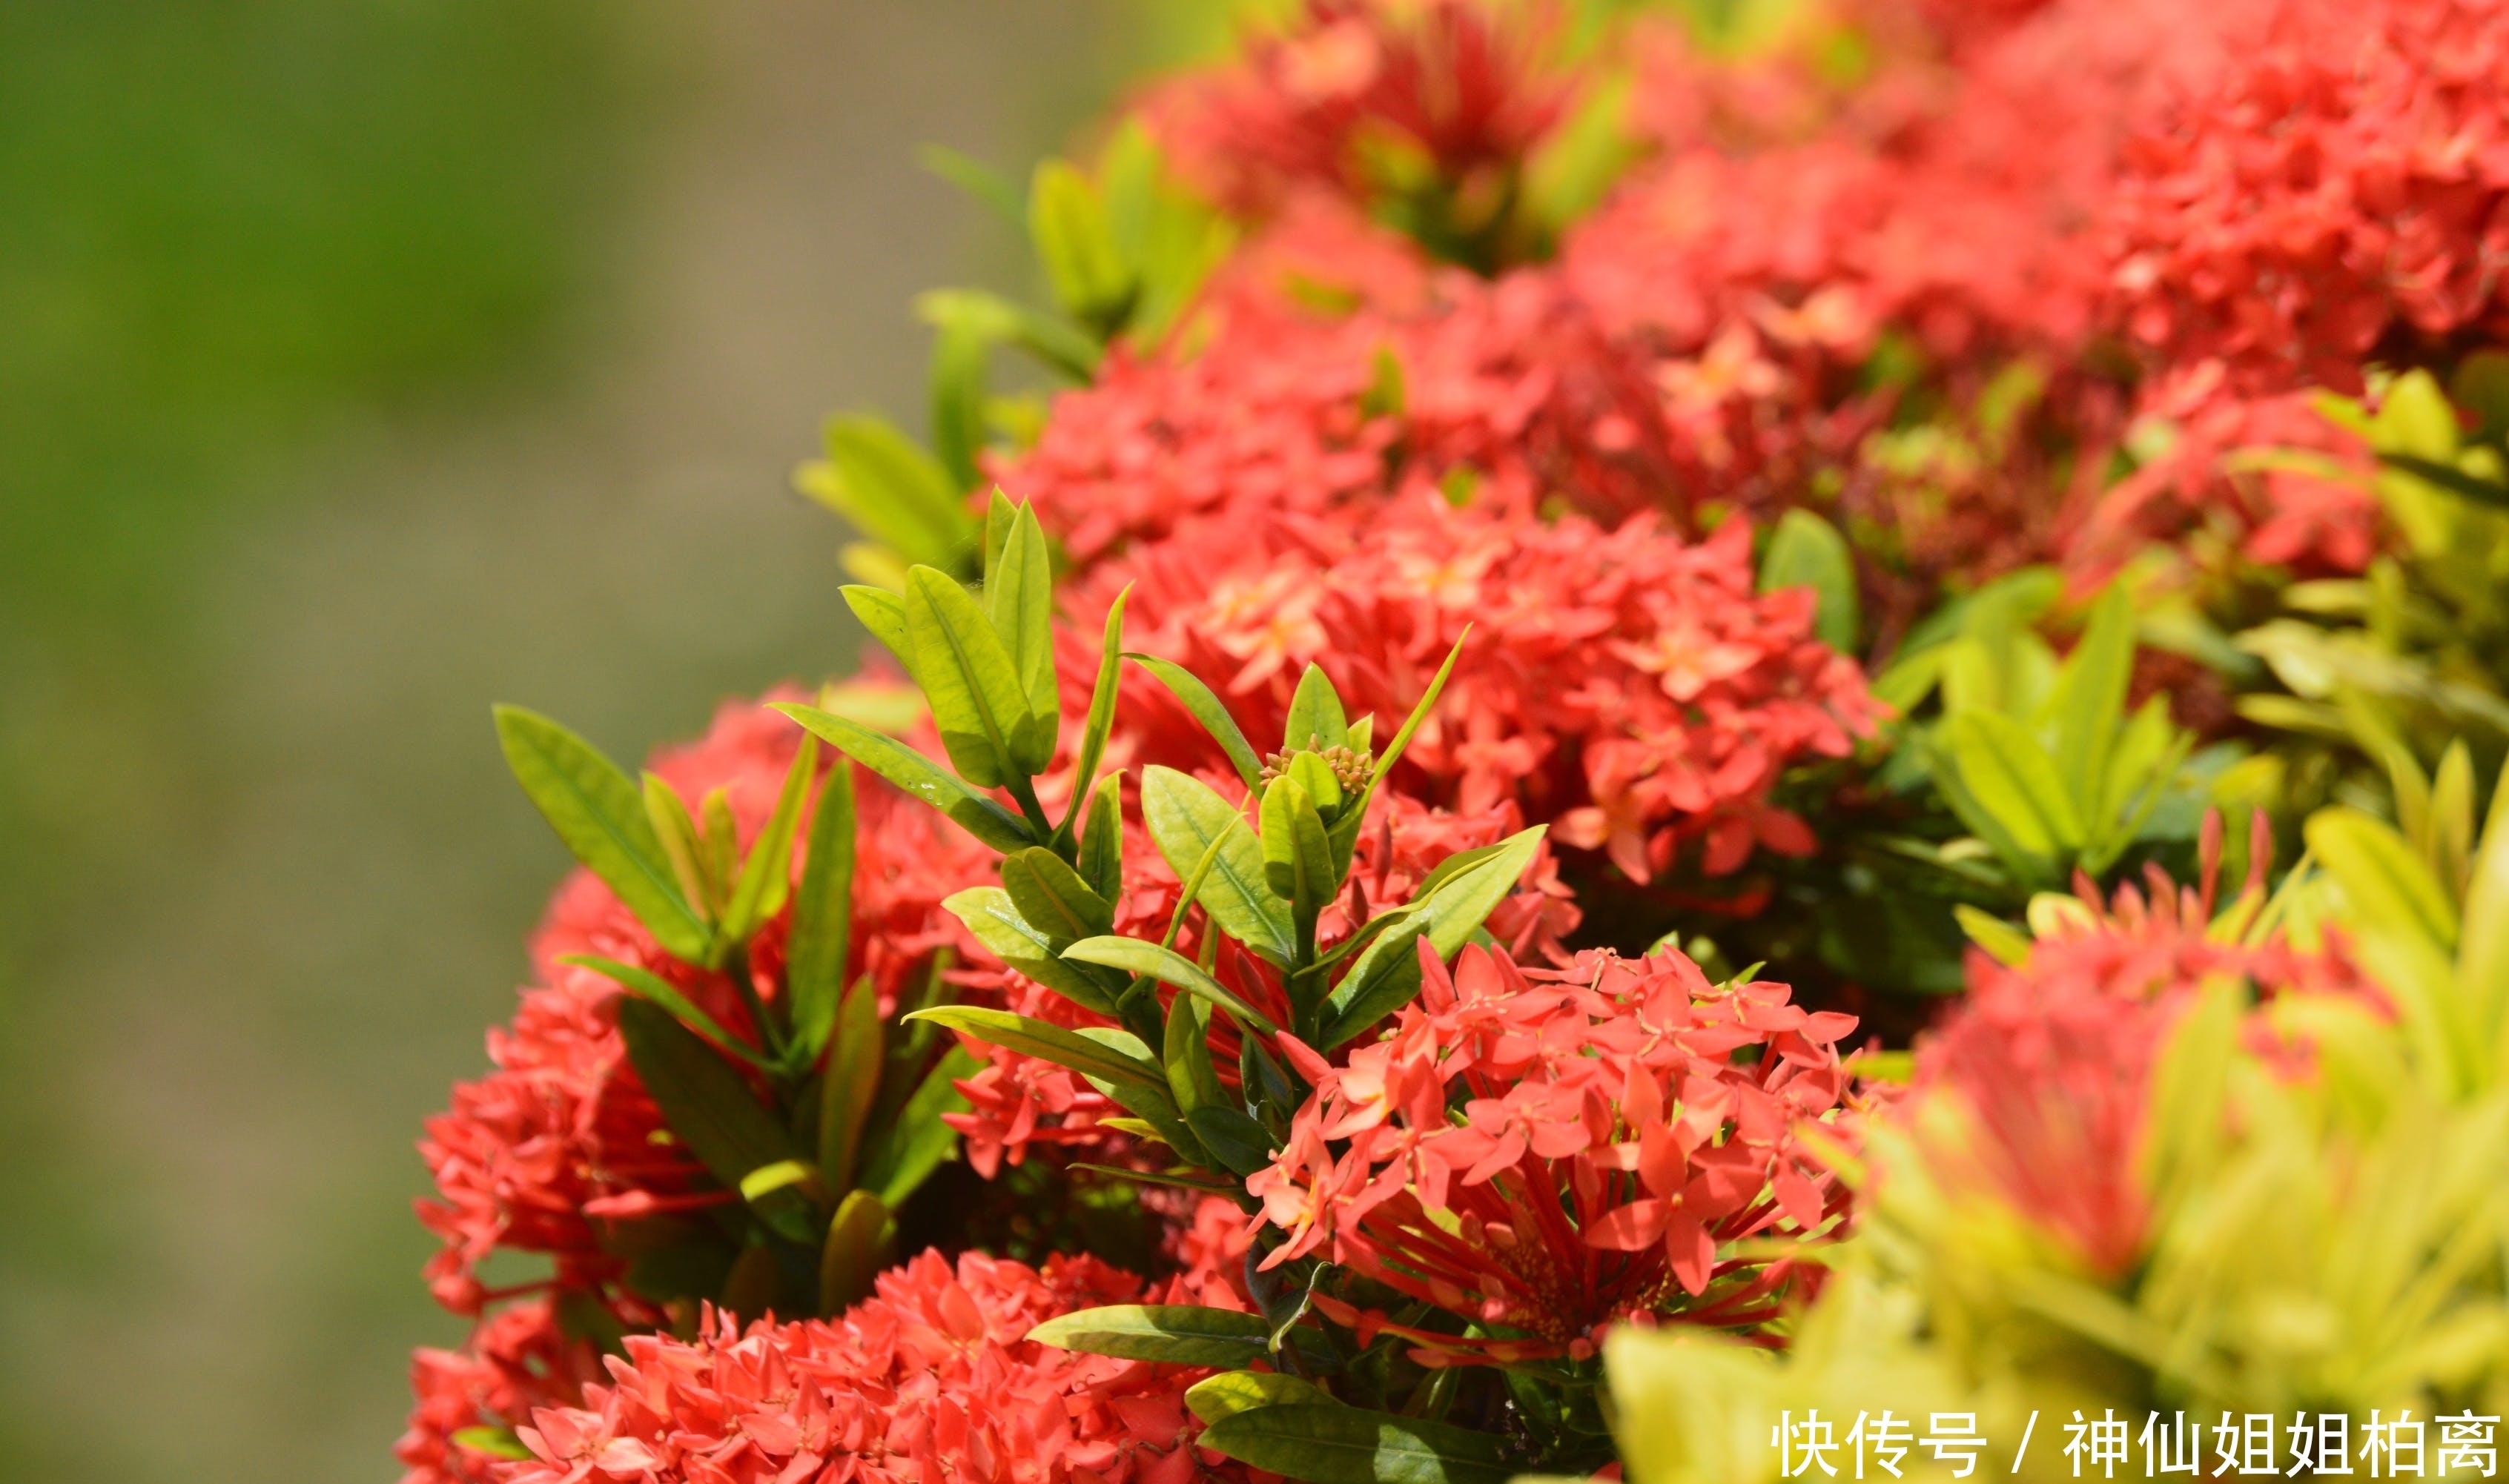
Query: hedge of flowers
pixel 1668 715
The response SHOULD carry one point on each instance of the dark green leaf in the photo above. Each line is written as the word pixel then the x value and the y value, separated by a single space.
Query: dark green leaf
pixel 1807 551
pixel 1184 817
pixel 1172 1334
pixel 919 1142
pixel 766 880
pixel 1168 967
pixel 1086 1055
pixel 1102 843
pixel 917 775
pixel 850 1086
pixel 1051 897
pixel 600 815
pixel 1346 1445
pixel 978 703
pixel 1316 720
pixel 823 914
pixel 648 985
pixel 710 1108
pixel 1206 708
pixel 851 1256
pixel 1239 1141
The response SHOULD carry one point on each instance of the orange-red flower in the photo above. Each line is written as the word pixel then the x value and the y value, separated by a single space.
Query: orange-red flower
pixel 515 1362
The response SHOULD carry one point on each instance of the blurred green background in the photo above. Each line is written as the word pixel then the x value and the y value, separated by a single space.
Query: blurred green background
pixel 363 361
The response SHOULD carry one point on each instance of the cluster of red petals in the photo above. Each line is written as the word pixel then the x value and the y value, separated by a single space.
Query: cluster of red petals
pixel 1462 86
pixel 557 1142
pixel 516 1360
pixel 932 1381
pixel 1018 1104
pixel 1627 683
pixel 2052 1060
pixel 2345 183
pixel 1611 1142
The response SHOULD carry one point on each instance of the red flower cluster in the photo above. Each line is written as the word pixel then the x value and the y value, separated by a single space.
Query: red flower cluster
pixel 932 1380
pixel 1624 683
pixel 2052 1060
pixel 2343 186
pixel 516 1361
pixel 1610 1144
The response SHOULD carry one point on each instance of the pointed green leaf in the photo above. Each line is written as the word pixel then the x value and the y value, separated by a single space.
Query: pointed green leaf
pixel 1807 551
pixel 849 1086
pixel 1298 863
pixel 1344 837
pixel 1233 1391
pixel 718 845
pixel 1133 955
pixel 883 613
pixel 1184 817
pixel 823 914
pixel 1171 1334
pixel 1004 930
pixel 1000 517
pixel 766 880
pixel 919 1142
pixel 1064 348
pixel 1102 702
pixel 1316 721
pixel 1385 977
pixel 1206 708
pixel 496 1442
pixel 1067 224
pixel 2385 883
pixel 1102 843
pixel 601 817
pixel 669 816
pixel 648 985
pixel 891 491
pixel 2088 704
pixel 2012 778
pixel 1347 1445
pixel 917 775
pixel 709 1107
pixel 1239 1143
pixel 955 389
pixel 1019 599
pixel 1053 899
pixel 1315 776
pixel 978 702
pixel 1186 1052
pixel 1085 1054
pixel 851 1256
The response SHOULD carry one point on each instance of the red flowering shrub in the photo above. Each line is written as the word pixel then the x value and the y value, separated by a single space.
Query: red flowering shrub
pixel 933 1379
pixel 2337 197
pixel 1627 683
pixel 1634 1145
pixel 515 1360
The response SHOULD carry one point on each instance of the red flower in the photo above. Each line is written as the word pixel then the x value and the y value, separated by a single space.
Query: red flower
pixel 1608 1150
pixel 542 1153
pixel 515 1362
pixel 933 1379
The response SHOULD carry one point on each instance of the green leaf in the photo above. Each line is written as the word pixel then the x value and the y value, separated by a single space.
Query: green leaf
pixel 883 613
pixel 648 985
pixel 979 181
pixel 2009 944
pixel 1049 338
pixel 1807 551
pixel 1315 776
pixel 1184 817
pixel 1019 599
pixel 1316 721
pixel 1068 223
pixel 669 817
pixel 2387 887
pixel 1297 860
pixel 2089 703
pixel 1186 1051
pixel 850 1086
pixel 766 880
pixel 767 1179
pixel 1237 1140
pixel 914 773
pixel 1101 701
pixel 1000 517
pixel 1086 1055
pixel 496 1442
pixel 1385 977
pixel 2483 958
pixel 1102 843
pixel 891 491
pixel 1205 707
pixel 2014 779
pixel 600 815
pixel 710 1108
pixel 1006 933
pixel 919 1142
pixel 823 914
pixel 851 1256
pixel 1347 1445
pixel 1051 897
pixel 955 389
pixel 1345 831
pixel 1171 1334
pixel 1233 1391
pixel 978 702
pixel 1168 967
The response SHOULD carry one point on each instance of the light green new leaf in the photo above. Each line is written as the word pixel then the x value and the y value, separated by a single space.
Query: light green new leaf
pixel 1344 837
pixel 1067 224
pixel 1101 842
pixel 2389 888
pixel 1233 1391
pixel 883 613
pixel 977 701
pixel 1053 899
pixel 1019 599
pixel 889 490
pixel 669 816
pixel 2089 700
pixel 766 880
pixel 600 815
pixel 1385 977
pixel 1088 1055
pixel 1101 703
pixel 823 916
pixel 1297 859
pixel 1347 1445
pixel 917 775
pixel 1133 955
pixel 2012 778
pixel 989 912
pixel 1205 707
pixel 1316 720
pixel 1807 551
pixel 1184 817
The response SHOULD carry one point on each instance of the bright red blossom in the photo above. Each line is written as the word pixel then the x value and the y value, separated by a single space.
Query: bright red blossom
pixel 1611 1145
pixel 515 1362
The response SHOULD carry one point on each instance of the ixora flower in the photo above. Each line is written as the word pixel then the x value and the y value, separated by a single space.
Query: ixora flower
pixel 933 1379
pixel 468 1399
pixel 1630 685
pixel 2037 1089
pixel 1547 1153
pixel 561 1139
